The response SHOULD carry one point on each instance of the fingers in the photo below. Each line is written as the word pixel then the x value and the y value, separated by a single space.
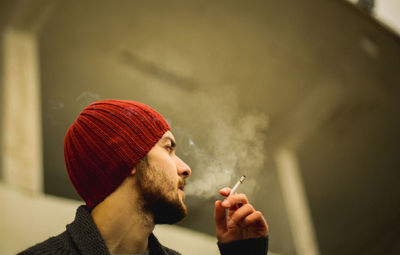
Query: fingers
pixel 247 217
pixel 255 217
pixel 235 201
pixel 220 217
pixel 257 220
pixel 240 215
pixel 225 191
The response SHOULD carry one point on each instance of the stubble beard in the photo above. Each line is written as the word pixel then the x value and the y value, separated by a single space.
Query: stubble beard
pixel 159 195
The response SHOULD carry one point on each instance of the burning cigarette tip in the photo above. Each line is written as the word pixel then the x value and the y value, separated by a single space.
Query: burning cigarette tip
pixel 241 180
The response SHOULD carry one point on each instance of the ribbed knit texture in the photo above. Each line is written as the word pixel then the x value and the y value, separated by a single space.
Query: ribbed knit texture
pixel 105 143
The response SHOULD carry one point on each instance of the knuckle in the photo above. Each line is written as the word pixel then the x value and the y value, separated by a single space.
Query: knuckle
pixel 249 207
pixel 257 214
pixel 243 197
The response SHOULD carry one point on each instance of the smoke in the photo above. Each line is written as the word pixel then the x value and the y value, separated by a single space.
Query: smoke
pixel 231 144
pixel 219 138
pixel 86 98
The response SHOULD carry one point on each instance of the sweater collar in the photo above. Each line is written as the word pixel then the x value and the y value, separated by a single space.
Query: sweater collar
pixel 88 239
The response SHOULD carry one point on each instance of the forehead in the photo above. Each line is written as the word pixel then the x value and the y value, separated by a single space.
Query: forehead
pixel 167 136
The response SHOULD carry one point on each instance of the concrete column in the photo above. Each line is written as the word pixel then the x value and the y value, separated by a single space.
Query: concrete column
pixel 295 199
pixel 21 139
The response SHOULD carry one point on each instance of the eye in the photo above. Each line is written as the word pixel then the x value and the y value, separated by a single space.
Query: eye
pixel 169 148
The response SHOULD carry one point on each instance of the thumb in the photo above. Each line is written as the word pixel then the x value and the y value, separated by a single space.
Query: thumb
pixel 220 217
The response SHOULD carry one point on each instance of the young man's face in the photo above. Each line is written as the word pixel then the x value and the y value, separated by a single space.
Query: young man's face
pixel 161 178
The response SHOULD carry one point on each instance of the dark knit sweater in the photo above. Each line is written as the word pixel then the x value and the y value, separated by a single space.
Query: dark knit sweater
pixel 83 237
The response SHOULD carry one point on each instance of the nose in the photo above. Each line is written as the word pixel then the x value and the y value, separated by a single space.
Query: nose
pixel 183 169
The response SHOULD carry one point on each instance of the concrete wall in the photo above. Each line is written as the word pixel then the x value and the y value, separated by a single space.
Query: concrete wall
pixel 321 76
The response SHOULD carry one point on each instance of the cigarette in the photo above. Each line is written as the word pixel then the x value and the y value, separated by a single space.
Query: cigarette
pixel 241 180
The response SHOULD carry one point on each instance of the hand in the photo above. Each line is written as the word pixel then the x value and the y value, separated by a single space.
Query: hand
pixel 243 220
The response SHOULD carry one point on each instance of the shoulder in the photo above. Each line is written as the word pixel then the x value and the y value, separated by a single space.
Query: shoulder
pixel 156 247
pixel 170 251
pixel 61 244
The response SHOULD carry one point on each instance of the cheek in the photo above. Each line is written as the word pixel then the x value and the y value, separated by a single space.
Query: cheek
pixel 168 166
pixel 165 173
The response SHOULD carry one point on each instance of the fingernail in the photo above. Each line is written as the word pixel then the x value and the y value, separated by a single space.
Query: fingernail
pixel 230 223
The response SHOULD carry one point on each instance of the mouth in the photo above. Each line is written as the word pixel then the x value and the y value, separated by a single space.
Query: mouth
pixel 182 189
pixel 181 184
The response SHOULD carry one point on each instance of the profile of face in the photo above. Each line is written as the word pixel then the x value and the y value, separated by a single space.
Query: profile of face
pixel 161 178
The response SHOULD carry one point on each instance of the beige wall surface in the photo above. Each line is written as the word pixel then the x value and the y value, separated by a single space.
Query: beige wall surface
pixel 240 83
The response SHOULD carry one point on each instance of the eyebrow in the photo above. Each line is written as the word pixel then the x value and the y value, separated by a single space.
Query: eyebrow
pixel 173 143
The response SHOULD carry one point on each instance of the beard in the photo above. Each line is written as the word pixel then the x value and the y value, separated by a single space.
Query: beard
pixel 159 193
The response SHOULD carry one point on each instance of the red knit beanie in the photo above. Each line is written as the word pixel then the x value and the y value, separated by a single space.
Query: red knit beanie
pixel 105 143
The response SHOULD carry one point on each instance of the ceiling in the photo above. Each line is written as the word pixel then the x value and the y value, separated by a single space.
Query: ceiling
pixel 241 80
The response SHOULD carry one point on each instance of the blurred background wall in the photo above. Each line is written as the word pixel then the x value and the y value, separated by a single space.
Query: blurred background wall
pixel 302 97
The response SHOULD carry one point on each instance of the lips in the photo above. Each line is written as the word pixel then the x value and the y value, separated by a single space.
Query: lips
pixel 181 184
pixel 183 195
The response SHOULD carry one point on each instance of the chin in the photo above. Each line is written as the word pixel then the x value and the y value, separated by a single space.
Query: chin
pixel 169 212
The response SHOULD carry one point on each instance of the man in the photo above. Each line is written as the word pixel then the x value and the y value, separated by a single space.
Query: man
pixel 120 157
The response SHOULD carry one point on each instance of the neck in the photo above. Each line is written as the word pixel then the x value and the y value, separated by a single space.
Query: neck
pixel 123 224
